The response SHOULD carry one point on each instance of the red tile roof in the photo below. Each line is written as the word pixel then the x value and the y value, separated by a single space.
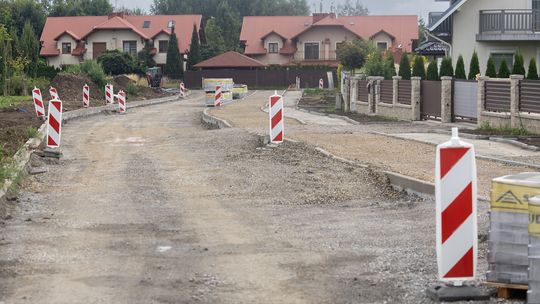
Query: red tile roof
pixel 230 60
pixel 403 28
pixel 82 26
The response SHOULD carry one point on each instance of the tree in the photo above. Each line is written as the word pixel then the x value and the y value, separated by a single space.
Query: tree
pixel 533 72
pixel 491 70
pixel 23 11
pixel 433 71
pixel 504 71
pixel 446 68
pixel 351 56
pixel 421 29
pixel 405 67
pixel 474 68
pixel 194 49
pixel 374 64
pixel 460 68
pixel 29 44
pixel 145 56
pixel 174 66
pixel 59 8
pixel 389 66
pixel 519 65
pixel 214 35
pixel 117 63
pixel 419 68
pixel 229 23
pixel 348 9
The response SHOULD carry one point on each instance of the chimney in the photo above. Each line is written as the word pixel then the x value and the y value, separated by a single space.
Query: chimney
pixel 320 16
pixel 118 14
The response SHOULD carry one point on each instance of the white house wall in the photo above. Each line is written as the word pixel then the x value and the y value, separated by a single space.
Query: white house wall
pixel 273 58
pixel 320 34
pixel 383 38
pixel 64 59
pixel 160 58
pixel 114 40
pixel 467 25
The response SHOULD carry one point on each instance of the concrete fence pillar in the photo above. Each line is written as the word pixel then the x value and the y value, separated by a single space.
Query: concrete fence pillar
pixel 446 99
pixel 354 94
pixel 416 87
pixel 346 96
pixel 514 99
pixel 395 91
pixel 481 97
pixel 377 91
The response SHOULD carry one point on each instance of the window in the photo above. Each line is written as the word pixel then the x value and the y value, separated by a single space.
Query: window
pixel 273 47
pixel 146 24
pixel 536 15
pixel 339 45
pixel 311 50
pixel 499 56
pixel 383 46
pixel 66 48
pixel 130 47
pixel 163 46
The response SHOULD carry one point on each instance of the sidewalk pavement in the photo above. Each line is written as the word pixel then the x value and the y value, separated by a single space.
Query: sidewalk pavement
pixel 401 147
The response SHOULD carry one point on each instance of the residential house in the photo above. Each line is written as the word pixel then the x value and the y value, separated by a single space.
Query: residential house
pixel 71 40
pixel 287 40
pixel 499 28
pixel 230 60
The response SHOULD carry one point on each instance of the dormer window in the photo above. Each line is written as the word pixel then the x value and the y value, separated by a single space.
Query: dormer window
pixel 66 48
pixel 273 47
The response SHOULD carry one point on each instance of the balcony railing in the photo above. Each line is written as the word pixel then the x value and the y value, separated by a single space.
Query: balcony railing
pixel 509 21
pixel 445 28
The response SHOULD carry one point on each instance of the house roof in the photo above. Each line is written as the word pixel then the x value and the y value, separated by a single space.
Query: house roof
pixel 230 60
pixel 82 26
pixel 403 28
pixel 454 7
pixel 431 48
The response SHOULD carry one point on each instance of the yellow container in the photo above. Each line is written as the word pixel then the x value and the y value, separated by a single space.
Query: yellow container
pixel 511 193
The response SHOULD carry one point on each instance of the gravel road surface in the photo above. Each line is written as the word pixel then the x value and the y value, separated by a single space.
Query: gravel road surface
pixel 150 207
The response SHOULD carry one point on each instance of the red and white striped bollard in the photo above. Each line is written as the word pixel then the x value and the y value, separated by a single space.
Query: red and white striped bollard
pixel 182 90
pixel 456 201
pixel 218 96
pixel 277 124
pixel 121 102
pixel 54 125
pixel 109 91
pixel 321 84
pixel 54 93
pixel 86 96
pixel 38 102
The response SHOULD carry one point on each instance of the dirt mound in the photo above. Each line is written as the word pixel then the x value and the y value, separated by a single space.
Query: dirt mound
pixel 70 88
pixel 121 82
pixel 13 125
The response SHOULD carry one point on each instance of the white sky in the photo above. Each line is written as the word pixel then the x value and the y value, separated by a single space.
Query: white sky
pixel 376 7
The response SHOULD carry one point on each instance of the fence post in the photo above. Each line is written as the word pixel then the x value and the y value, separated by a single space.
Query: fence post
pixel 377 92
pixel 346 96
pixel 371 94
pixel 416 87
pixel 481 98
pixel 446 99
pixel 395 91
pixel 354 93
pixel 514 99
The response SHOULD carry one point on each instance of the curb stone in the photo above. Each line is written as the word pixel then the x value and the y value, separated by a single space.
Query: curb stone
pixel 397 181
pixel 515 143
pixel 22 156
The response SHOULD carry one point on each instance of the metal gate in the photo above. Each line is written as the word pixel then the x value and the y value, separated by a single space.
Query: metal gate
pixel 465 100
pixel 431 99
pixel 363 91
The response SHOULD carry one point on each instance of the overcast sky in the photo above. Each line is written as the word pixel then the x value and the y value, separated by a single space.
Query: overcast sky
pixel 376 7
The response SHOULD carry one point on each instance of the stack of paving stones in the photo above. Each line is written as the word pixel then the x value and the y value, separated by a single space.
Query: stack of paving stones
pixel 533 294
pixel 508 246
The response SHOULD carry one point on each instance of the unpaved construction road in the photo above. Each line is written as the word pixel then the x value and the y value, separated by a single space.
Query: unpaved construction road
pixel 151 207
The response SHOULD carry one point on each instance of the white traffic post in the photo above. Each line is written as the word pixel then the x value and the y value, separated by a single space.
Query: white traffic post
pixel 218 97
pixel 321 84
pixel 109 91
pixel 38 103
pixel 121 102
pixel 182 90
pixel 54 125
pixel 456 201
pixel 86 96
pixel 277 124
pixel 54 93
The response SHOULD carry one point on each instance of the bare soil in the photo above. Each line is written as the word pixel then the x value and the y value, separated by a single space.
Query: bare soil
pixel 14 122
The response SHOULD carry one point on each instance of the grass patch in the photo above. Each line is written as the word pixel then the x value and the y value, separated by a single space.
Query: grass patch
pixel 10 101
pixel 32 132
pixel 487 128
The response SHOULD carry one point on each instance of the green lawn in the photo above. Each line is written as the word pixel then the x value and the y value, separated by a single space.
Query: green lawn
pixel 8 101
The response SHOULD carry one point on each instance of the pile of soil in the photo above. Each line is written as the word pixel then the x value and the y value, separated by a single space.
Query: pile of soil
pixel 121 82
pixel 70 86
pixel 14 122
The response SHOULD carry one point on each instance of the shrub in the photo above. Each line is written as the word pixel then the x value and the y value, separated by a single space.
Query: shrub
pixel 389 67
pixel 46 71
pixel 374 65
pixel 460 68
pixel 419 69
pixel 117 63
pixel 351 56
pixel 433 71
pixel 533 73
pixel 519 65
pixel 446 68
pixel 474 68
pixel 174 67
pixel 42 83
pixel 491 70
pixel 93 70
pixel 132 89
pixel 504 71
pixel 16 85
pixel 405 67
pixel 339 70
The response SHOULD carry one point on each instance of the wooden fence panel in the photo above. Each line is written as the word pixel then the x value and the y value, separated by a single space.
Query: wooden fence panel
pixel 529 100
pixel 404 92
pixel 497 96
pixel 387 91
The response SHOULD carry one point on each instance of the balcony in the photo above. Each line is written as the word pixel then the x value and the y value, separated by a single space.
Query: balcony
pixel 445 28
pixel 509 25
